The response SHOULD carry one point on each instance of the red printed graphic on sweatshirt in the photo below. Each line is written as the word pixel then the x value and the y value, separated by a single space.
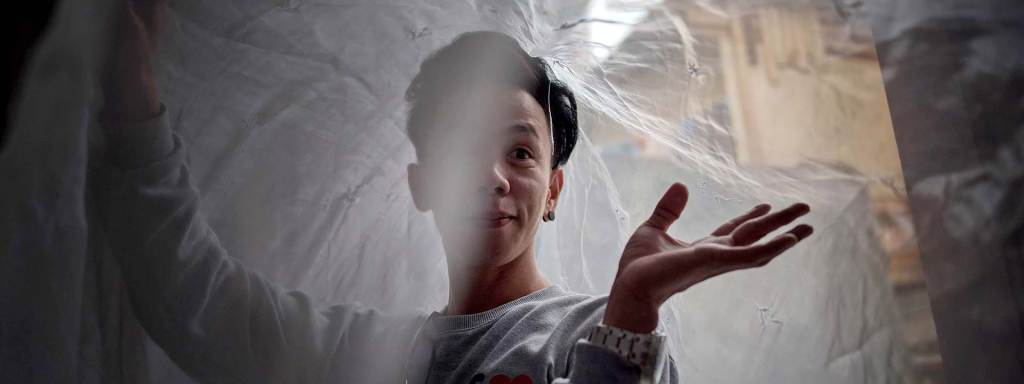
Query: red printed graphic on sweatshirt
pixel 501 379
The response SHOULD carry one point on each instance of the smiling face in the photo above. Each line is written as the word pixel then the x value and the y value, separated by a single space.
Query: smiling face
pixel 487 175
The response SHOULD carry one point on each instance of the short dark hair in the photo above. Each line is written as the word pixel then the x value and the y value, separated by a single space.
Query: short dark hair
pixel 480 57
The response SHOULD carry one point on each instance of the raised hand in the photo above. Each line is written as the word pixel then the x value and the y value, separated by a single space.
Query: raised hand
pixel 128 86
pixel 654 266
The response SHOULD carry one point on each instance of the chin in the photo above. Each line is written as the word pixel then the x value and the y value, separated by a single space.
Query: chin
pixel 494 249
pixel 488 246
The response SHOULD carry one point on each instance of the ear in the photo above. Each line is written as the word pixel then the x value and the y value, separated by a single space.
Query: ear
pixel 554 188
pixel 417 189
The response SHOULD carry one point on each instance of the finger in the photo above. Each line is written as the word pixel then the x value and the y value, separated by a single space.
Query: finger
pixel 801 231
pixel 669 207
pixel 751 256
pixel 120 30
pixel 727 228
pixel 709 260
pixel 753 230
pixel 150 15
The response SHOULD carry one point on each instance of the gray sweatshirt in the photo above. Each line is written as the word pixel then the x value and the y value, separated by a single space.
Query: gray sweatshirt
pixel 223 323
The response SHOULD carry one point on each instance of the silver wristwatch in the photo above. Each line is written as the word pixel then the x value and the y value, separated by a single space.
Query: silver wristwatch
pixel 646 350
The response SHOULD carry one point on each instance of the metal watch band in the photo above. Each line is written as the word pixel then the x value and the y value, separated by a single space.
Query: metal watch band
pixel 646 350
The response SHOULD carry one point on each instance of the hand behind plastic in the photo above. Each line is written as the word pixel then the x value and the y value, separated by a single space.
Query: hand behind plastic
pixel 654 266
pixel 128 85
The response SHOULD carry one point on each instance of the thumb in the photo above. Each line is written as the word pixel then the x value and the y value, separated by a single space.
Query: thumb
pixel 149 14
pixel 669 207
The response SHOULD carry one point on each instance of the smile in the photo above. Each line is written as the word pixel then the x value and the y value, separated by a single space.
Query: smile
pixel 499 222
pixel 493 221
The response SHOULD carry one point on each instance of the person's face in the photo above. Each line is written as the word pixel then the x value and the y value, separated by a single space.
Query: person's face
pixel 487 174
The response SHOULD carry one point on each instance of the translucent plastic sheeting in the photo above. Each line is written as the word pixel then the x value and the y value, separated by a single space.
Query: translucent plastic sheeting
pixel 293 115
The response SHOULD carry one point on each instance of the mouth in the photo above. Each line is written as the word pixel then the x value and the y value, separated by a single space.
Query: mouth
pixel 494 220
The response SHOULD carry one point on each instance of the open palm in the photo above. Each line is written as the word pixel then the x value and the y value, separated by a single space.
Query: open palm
pixel 654 265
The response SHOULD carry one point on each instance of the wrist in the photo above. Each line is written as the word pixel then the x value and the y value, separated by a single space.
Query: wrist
pixel 628 311
pixel 132 100
pixel 645 350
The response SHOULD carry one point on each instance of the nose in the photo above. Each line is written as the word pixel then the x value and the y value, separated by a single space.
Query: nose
pixel 494 181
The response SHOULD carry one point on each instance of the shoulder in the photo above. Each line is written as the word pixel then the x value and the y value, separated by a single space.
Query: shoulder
pixel 565 317
pixel 563 305
pixel 583 308
pixel 357 322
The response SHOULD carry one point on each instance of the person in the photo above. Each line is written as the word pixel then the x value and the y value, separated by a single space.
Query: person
pixel 492 129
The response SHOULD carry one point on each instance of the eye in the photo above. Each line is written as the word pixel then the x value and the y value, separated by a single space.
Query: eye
pixel 521 154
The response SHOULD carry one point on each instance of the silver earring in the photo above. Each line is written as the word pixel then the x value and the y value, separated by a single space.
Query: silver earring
pixel 550 216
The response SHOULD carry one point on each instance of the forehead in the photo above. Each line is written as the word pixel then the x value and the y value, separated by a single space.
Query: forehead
pixel 491 110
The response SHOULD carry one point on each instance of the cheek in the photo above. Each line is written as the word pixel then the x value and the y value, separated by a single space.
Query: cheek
pixel 530 190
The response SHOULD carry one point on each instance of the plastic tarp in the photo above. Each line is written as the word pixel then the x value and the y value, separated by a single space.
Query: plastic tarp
pixel 293 115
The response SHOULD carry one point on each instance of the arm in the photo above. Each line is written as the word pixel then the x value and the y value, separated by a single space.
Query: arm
pixel 215 319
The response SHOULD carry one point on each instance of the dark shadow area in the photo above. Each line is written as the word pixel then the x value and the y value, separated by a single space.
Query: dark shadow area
pixel 955 87
pixel 22 29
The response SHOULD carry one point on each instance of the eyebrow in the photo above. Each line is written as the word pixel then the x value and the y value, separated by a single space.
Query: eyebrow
pixel 524 128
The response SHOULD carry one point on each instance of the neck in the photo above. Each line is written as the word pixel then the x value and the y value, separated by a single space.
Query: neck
pixel 474 290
